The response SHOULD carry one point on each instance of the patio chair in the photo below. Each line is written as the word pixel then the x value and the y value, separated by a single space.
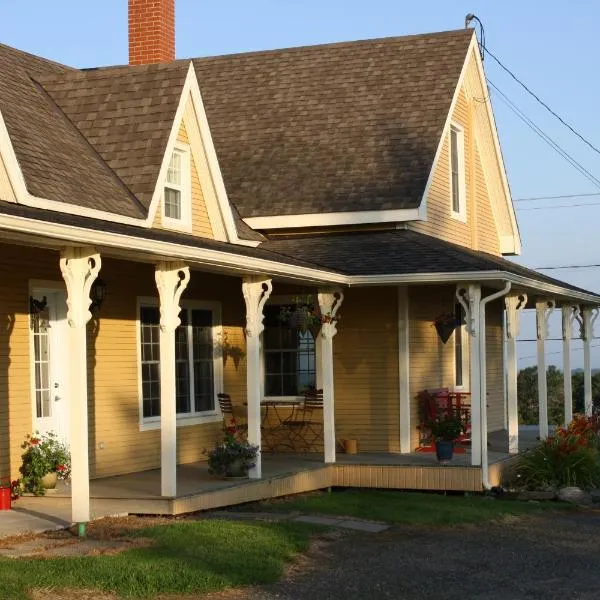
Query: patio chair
pixel 231 415
pixel 305 425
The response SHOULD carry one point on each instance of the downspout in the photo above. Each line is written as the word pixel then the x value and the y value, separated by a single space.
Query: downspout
pixel 483 382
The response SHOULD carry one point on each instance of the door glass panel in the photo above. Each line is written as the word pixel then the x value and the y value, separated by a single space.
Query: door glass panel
pixel 41 345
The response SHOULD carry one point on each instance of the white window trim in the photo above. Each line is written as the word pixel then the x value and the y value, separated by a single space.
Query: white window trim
pixel 278 301
pixel 466 341
pixel 185 223
pixel 461 215
pixel 183 419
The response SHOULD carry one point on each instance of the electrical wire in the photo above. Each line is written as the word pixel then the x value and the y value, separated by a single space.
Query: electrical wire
pixel 557 352
pixel 563 197
pixel 566 267
pixel 559 206
pixel 554 145
pixel 534 95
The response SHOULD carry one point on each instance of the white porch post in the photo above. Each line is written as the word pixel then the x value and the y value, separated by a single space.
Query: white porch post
pixel 329 304
pixel 543 310
pixel 79 268
pixel 569 314
pixel 470 299
pixel 514 305
pixel 256 292
pixel 589 319
pixel 404 368
pixel 171 280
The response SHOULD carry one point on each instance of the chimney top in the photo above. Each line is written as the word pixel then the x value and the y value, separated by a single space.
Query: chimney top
pixel 151 31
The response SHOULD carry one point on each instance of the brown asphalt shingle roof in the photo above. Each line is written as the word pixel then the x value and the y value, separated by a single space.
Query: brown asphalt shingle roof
pixel 340 127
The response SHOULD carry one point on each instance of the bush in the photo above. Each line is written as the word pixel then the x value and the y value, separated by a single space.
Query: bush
pixel 569 458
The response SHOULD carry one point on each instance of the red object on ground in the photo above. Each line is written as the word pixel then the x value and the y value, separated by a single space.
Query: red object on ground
pixel 5 494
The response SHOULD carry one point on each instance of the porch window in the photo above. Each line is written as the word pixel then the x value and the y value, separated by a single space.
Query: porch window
pixel 459 349
pixel 457 172
pixel 289 357
pixel 194 361
pixel 176 201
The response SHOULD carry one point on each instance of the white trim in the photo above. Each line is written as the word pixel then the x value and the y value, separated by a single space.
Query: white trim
pixel 184 188
pixel 13 170
pixel 359 217
pixel 461 214
pixel 183 419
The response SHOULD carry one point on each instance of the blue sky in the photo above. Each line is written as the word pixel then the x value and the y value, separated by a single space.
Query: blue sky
pixel 554 51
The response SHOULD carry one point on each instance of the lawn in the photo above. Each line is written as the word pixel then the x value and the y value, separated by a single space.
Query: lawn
pixel 185 558
pixel 408 507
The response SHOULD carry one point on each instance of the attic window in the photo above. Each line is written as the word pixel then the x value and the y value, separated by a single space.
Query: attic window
pixel 457 173
pixel 176 201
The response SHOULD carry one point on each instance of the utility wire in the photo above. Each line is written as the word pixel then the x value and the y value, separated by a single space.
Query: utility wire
pixel 554 145
pixel 536 198
pixel 559 206
pixel 534 95
pixel 558 352
pixel 566 267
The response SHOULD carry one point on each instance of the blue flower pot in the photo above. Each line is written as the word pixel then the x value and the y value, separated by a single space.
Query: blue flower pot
pixel 444 450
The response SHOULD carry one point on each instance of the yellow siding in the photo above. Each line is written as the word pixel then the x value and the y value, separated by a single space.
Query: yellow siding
pixel 487 233
pixel 366 370
pixel 201 225
pixel 495 366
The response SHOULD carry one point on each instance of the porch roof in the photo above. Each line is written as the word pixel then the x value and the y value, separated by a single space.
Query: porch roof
pixel 349 258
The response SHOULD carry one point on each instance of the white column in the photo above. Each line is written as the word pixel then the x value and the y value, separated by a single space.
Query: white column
pixel 514 305
pixel 329 304
pixel 543 310
pixel 256 292
pixel 589 319
pixel 404 368
pixel 171 280
pixel 470 299
pixel 569 314
pixel 79 268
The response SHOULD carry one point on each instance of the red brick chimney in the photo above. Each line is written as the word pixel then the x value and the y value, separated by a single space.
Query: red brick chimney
pixel 151 31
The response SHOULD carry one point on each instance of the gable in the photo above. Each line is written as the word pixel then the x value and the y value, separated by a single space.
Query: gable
pixel 6 190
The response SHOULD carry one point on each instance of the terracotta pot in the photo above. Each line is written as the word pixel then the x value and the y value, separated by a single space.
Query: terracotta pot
pixel 351 446
pixel 49 480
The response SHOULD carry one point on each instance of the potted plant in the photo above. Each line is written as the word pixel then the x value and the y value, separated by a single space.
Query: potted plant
pixel 232 456
pixel 445 430
pixel 305 316
pixel 45 460
pixel 445 324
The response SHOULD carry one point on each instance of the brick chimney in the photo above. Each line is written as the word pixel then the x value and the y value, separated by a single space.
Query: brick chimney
pixel 151 31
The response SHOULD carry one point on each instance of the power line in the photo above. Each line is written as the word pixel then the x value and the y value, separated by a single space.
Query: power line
pixel 536 198
pixel 552 112
pixel 558 352
pixel 559 206
pixel 566 267
pixel 554 145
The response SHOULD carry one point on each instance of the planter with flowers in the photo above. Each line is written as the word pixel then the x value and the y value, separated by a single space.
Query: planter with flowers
pixel 233 456
pixel 46 459
pixel 305 316
pixel 445 430
pixel 445 324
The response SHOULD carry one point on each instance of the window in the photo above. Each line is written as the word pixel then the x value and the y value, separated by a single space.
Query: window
pixel 176 201
pixel 457 173
pixel 459 348
pixel 195 362
pixel 289 357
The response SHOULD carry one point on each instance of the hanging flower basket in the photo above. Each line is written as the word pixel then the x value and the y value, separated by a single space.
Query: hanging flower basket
pixel 304 316
pixel 445 325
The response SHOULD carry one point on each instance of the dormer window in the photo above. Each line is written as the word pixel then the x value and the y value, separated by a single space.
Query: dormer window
pixel 176 197
pixel 457 173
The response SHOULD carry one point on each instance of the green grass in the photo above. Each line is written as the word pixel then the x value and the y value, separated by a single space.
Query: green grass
pixel 186 558
pixel 409 507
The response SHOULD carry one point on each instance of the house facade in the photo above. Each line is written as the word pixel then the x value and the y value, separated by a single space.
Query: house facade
pixel 155 218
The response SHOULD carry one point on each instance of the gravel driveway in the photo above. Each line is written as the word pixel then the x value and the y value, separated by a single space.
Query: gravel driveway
pixel 545 557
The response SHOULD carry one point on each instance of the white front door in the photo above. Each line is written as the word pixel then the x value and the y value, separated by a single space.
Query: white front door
pixel 49 341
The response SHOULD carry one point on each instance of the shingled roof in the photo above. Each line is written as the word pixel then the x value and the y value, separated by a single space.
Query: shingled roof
pixel 339 127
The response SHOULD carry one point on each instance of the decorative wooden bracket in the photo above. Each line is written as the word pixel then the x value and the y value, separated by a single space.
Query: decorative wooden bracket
pixel 514 305
pixel 570 314
pixel 171 280
pixel 587 319
pixel 543 309
pixel 256 292
pixel 329 304
pixel 79 268
pixel 467 297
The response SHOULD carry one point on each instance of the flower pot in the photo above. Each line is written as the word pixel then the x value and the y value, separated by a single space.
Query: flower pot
pixel 350 446
pixel 445 330
pixel 5 494
pixel 237 469
pixel 48 481
pixel 444 449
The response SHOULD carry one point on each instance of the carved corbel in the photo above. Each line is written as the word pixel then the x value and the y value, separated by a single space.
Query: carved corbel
pixel 329 304
pixel 79 268
pixel 467 296
pixel 570 314
pixel 514 306
pixel 587 319
pixel 171 280
pixel 256 292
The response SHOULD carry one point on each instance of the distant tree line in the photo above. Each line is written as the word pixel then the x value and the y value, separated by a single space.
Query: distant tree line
pixel 527 392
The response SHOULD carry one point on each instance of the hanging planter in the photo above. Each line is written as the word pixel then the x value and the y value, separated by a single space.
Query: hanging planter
pixel 445 325
pixel 304 316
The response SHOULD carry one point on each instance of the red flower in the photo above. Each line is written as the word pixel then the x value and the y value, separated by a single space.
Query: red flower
pixel 34 441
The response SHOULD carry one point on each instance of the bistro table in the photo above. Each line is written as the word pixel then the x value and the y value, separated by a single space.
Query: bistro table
pixel 273 412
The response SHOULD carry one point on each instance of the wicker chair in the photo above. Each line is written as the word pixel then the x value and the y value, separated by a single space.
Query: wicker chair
pixel 305 425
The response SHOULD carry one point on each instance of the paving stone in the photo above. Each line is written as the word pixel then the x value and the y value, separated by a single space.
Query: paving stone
pixel 333 521
pixel 367 526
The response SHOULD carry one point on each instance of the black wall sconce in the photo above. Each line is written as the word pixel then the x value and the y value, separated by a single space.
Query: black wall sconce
pixel 97 294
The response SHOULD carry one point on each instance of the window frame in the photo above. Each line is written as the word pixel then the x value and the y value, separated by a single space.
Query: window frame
pixel 283 300
pixel 465 353
pixel 191 418
pixel 185 189
pixel 461 214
